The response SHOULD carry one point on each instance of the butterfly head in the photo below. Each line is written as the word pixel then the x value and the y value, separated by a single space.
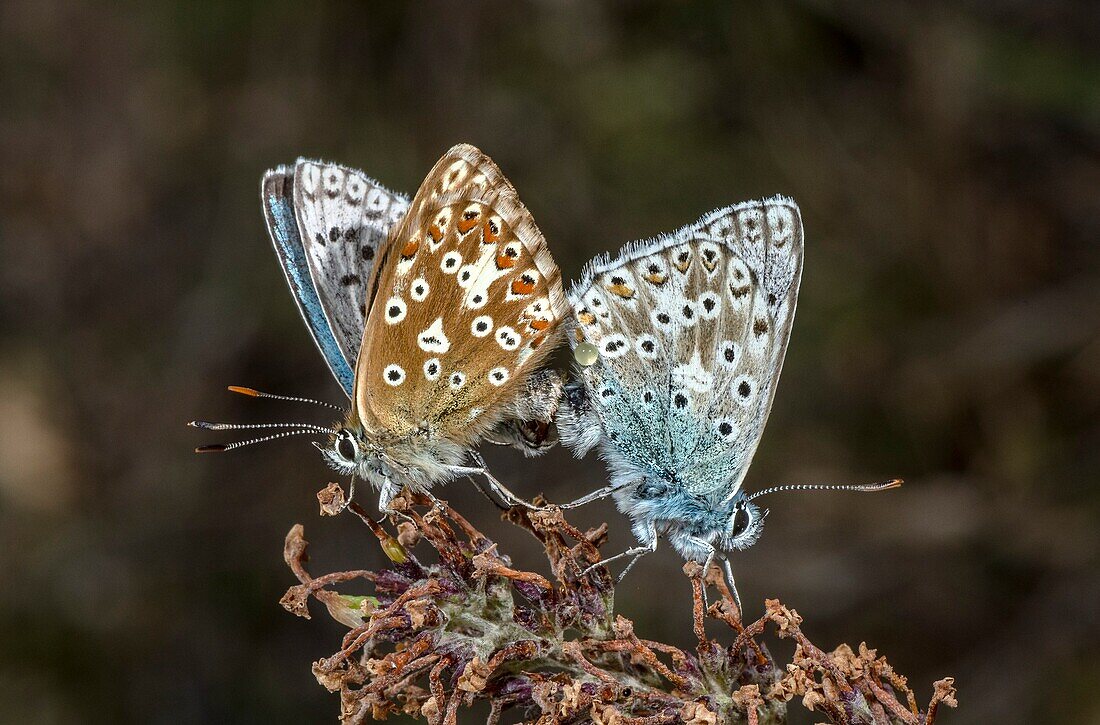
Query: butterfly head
pixel 417 459
pixel 346 451
pixel 744 525
pixel 352 453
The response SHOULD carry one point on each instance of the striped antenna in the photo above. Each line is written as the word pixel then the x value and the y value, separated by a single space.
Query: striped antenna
pixel 880 486
pixel 222 447
pixel 253 393
pixel 207 425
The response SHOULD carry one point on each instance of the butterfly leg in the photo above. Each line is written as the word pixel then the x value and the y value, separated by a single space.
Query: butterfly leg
pixel 481 489
pixel 594 496
pixel 389 492
pixel 711 556
pixel 716 554
pixel 437 505
pixel 648 547
pixel 351 493
pixel 494 485
pixel 624 572
pixel 732 584
pixel 386 496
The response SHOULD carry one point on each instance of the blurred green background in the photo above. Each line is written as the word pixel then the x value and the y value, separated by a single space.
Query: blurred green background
pixel 946 157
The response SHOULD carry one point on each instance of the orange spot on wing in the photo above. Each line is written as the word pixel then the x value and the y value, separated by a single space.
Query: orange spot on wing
pixel 523 285
pixel 436 232
pixel 586 318
pixel 465 225
pixel 505 262
pixel 537 340
pixel 621 290
pixel 539 325
pixel 410 249
pixel 491 233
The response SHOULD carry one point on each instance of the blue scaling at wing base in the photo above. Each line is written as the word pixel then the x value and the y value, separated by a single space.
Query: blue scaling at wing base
pixel 288 244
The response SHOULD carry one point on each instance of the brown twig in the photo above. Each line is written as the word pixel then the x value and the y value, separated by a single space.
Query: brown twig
pixel 472 627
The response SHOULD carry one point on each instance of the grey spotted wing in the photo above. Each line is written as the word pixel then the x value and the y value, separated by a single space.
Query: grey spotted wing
pixel 277 192
pixel 344 218
pixel 692 329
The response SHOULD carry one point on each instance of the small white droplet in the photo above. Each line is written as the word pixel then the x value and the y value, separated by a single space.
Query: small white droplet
pixel 586 354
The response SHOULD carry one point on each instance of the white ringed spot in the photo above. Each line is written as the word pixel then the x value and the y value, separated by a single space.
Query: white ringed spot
pixel 729 354
pixel 333 180
pixel 432 369
pixel 420 289
pixel 498 376
pixel 614 346
pixel 661 319
pixel 395 310
pixel 481 326
pixel 457 380
pixel 393 374
pixel 356 190
pixel 376 200
pixel 466 275
pixel 450 262
pixel 507 338
pixel 687 314
pixel 709 305
pixel 647 347
pixel 744 390
pixel 726 429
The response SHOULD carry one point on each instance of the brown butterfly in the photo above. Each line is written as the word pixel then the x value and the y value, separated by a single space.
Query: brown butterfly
pixel 457 302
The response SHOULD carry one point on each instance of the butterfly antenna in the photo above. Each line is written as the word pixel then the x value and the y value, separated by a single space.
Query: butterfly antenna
pixel 207 425
pixel 880 486
pixel 222 447
pixel 252 393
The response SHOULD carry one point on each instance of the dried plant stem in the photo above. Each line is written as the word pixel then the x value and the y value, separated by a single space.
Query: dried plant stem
pixel 435 638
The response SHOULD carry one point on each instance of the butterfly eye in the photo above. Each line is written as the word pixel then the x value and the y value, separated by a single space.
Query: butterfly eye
pixel 345 445
pixel 740 521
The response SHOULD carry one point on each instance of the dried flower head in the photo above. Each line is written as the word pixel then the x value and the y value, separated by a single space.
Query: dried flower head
pixel 435 638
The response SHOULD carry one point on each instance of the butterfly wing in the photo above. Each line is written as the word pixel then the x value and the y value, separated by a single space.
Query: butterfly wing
pixel 344 217
pixel 692 329
pixel 276 193
pixel 327 223
pixel 468 301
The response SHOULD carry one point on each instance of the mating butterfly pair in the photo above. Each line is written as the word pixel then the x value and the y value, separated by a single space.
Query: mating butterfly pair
pixel 436 316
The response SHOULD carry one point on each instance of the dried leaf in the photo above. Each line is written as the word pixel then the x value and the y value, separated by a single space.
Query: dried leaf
pixel 331 499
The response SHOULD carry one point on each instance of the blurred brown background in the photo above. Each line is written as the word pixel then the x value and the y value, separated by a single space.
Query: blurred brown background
pixel 947 160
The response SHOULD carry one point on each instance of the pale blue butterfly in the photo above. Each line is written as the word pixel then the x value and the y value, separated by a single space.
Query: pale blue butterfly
pixel 680 341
